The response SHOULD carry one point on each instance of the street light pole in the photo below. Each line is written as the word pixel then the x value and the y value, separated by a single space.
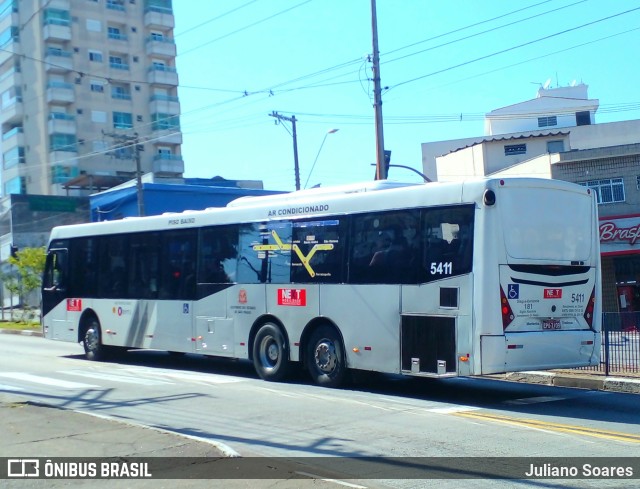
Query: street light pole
pixel 330 131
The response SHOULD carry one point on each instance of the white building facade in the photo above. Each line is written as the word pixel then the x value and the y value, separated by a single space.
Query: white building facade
pixel 86 88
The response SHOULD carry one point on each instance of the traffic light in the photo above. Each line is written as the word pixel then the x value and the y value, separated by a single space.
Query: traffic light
pixel 387 161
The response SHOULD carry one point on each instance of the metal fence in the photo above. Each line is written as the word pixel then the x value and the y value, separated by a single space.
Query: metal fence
pixel 620 352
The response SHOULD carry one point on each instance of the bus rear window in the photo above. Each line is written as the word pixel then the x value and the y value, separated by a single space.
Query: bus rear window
pixel 563 235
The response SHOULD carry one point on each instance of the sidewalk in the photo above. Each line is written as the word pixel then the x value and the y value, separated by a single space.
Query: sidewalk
pixel 61 436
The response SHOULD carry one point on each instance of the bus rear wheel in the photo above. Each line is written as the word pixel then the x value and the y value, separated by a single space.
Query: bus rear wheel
pixel 325 357
pixel 270 353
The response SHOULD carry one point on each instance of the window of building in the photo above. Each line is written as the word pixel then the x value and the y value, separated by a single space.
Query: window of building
pixel 608 190
pixel 57 17
pixel 118 62
pixel 115 4
pixel 13 157
pixel 10 34
pixel 16 185
pixel 638 182
pixel 555 146
pixel 116 33
pixel 120 92
pixel 515 149
pixel 97 86
pixel 63 142
pixel 583 118
pixel 164 121
pixel 547 121
pixel 62 174
pixel 122 120
pixel 95 56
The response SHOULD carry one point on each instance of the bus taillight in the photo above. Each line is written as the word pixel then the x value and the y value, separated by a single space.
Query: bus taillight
pixel 505 308
pixel 588 313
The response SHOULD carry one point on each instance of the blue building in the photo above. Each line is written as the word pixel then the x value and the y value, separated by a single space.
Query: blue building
pixel 158 198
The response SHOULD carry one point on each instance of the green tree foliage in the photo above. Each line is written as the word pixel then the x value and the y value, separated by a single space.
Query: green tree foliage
pixel 29 263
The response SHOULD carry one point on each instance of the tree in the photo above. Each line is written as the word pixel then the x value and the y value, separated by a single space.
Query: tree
pixel 29 263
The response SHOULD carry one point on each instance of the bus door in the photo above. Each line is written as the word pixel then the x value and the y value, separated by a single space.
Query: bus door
pixel 435 306
pixel 55 304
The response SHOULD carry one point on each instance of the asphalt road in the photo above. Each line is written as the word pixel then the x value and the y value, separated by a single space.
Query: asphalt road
pixel 225 404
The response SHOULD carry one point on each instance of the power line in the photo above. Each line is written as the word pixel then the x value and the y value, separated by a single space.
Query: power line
pixel 246 27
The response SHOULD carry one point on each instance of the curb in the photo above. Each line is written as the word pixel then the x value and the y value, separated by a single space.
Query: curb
pixel 578 381
pixel 21 332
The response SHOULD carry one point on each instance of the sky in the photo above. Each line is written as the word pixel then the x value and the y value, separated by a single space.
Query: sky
pixel 443 66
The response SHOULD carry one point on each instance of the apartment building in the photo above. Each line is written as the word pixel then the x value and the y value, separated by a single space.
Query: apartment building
pixel 88 92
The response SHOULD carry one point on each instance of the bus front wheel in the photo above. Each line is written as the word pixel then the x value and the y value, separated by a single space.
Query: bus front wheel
pixel 325 357
pixel 92 341
pixel 270 353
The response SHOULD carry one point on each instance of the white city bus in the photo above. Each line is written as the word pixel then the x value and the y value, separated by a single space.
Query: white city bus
pixel 431 280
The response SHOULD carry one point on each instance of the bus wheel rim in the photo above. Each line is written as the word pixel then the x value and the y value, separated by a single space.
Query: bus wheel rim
pixel 269 352
pixel 325 356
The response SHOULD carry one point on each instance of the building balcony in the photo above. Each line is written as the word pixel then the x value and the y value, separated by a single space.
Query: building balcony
pixel 163 47
pixel 12 112
pixel 159 18
pixel 66 158
pixel 162 75
pixel 168 164
pixel 164 104
pixel 13 137
pixel 60 93
pixel 58 61
pixel 11 78
pixel 62 123
pixel 57 31
pixel 8 51
pixel 167 136
pixel 56 4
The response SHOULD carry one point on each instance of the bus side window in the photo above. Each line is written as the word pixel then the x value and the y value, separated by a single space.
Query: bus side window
pixel 55 276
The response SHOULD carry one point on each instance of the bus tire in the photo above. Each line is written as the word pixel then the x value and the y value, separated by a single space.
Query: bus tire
pixel 325 357
pixel 92 341
pixel 270 356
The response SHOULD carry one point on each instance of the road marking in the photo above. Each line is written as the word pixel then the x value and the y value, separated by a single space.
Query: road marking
pixel 335 481
pixel 37 379
pixel 561 428
pixel 453 409
pixel 5 387
pixel 116 377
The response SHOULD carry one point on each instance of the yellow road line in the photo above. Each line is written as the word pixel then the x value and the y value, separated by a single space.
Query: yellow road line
pixel 563 428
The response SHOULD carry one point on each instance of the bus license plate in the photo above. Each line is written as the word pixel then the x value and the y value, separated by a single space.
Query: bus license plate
pixel 551 324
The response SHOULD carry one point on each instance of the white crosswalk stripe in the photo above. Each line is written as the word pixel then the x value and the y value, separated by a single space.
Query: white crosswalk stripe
pixel 115 377
pixel 45 380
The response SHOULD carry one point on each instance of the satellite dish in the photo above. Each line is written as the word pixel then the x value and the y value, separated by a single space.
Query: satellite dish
pixel 547 83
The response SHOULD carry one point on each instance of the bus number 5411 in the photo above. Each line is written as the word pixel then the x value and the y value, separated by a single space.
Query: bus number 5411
pixel 441 268
pixel 577 298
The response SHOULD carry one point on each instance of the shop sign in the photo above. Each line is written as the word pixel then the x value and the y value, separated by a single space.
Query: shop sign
pixel 620 235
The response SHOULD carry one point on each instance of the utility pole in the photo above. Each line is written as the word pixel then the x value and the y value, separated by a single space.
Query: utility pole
pixel 124 141
pixel 381 169
pixel 293 120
